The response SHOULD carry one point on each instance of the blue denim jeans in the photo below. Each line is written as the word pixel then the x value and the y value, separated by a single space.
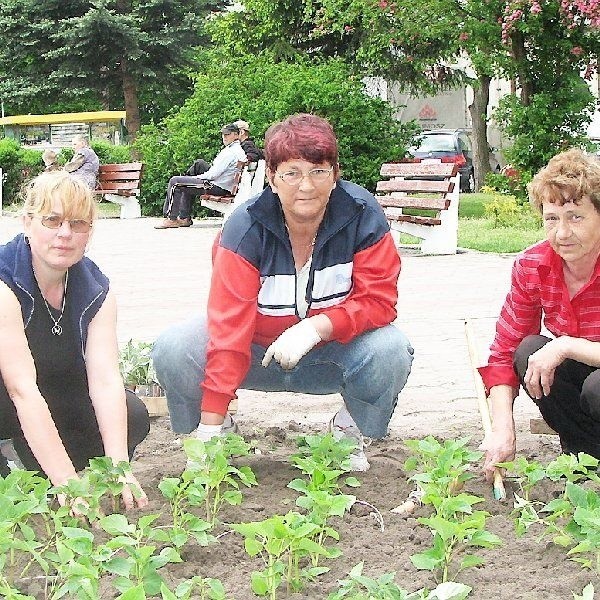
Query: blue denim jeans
pixel 369 372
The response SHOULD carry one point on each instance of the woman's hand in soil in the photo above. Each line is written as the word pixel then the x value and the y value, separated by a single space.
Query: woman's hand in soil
pixel 133 495
pixel 499 446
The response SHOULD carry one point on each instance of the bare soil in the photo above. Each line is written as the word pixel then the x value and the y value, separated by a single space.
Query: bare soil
pixel 522 568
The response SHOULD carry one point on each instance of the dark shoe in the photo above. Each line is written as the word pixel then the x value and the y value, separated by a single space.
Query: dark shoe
pixel 185 222
pixel 168 224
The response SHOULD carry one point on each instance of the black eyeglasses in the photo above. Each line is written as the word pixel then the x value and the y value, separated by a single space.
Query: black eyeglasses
pixel 55 221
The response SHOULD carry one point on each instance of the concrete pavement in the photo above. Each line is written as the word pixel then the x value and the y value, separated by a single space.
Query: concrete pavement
pixel 163 276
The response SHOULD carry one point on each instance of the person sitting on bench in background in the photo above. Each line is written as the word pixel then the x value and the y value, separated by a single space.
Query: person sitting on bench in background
pixel 85 163
pixel 218 180
pixel 253 153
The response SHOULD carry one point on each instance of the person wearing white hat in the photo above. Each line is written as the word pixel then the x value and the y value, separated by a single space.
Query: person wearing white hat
pixel 253 153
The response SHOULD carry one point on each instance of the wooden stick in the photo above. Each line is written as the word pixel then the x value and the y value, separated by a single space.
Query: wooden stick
pixel 484 409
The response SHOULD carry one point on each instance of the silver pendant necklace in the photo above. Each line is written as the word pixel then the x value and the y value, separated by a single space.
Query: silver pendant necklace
pixel 57 327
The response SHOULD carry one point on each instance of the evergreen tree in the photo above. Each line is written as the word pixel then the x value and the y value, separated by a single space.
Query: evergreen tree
pixel 100 54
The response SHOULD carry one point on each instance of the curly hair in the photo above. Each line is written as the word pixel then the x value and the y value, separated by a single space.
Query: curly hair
pixel 568 177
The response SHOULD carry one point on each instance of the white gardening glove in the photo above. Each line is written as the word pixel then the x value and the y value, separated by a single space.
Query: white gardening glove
pixel 292 344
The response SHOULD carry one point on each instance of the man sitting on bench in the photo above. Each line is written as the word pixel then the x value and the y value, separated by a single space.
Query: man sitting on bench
pixel 218 180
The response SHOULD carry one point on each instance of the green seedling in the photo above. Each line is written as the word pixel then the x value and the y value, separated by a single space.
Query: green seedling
pixel 109 478
pixel 130 557
pixel 321 506
pixel 527 474
pixel 442 468
pixel 454 533
pixel 582 530
pixel 361 587
pixel 75 572
pixel 323 459
pixel 185 492
pixel 209 462
pixel 281 542
pixel 198 588
pixel 573 468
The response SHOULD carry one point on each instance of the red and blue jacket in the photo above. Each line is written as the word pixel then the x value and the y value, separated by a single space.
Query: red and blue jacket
pixel 353 280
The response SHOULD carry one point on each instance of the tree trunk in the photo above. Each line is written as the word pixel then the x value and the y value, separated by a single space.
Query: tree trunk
pixel 130 91
pixel 478 110
pixel 520 56
pixel 131 101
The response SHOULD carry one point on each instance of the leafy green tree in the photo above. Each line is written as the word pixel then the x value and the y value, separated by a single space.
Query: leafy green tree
pixel 100 53
pixel 421 44
pixel 367 132
pixel 548 42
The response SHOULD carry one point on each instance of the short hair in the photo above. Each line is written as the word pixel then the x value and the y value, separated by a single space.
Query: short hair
pixel 73 193
pixel 81 138
pixel 568 177
pixel 49 156
pixel 303 136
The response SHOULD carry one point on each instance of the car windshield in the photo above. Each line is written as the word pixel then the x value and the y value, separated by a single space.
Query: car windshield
pixel 436 143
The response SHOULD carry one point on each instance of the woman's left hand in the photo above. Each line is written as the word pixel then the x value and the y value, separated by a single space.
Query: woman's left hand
pixel 539 376
pixel 133 495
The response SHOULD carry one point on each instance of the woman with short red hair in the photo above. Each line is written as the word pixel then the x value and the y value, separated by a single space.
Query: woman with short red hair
pixel 303 294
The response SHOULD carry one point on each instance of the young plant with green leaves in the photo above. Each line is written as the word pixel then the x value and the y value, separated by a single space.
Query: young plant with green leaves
pixel 184 492
pixel 109 478
pixel 281 542
pixel 135 363
pixel 323 459
pixel 210 464
pixel 131 556
pixel 453 536
pixel 360 587
pixel 443 468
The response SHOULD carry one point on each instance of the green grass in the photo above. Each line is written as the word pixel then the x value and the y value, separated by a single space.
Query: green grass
pixel 472 205
pixel 476 232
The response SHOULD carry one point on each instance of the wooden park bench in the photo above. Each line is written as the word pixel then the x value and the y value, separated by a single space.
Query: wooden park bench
pixel 430 188
pixel 247 184
pixel 120 183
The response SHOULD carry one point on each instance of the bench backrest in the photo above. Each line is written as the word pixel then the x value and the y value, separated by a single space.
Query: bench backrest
pixel 428 186
pixel 239 169
pixel 124 176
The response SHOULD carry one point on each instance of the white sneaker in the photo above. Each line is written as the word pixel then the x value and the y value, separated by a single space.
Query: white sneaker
pixel 358 458
pixel 228 426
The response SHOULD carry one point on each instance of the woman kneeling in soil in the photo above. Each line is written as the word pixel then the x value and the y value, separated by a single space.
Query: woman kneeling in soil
pixel 303 293
pixel 556 282
pixel 62 399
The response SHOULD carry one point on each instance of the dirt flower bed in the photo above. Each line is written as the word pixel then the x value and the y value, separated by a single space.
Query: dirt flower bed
pixel 522 567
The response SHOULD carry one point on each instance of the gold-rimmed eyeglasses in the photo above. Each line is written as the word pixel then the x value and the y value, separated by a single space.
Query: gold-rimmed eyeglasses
pixel 295 177
pixel 55 222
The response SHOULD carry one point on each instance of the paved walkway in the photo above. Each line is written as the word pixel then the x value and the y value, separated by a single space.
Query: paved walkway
pixel 163 276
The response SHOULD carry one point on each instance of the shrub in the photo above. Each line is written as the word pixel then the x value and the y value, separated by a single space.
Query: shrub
pixel 368 134
pixel 505 211
pixel 18 165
